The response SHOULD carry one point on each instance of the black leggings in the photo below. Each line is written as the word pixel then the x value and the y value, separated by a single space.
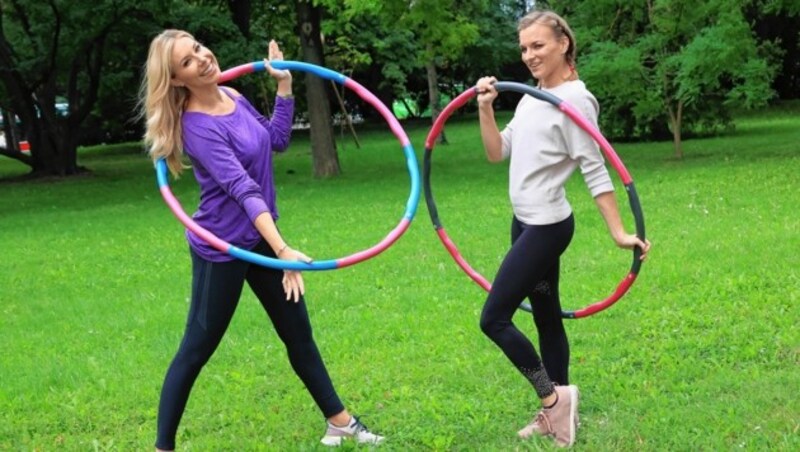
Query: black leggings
pixel 216 288
pixel 531 269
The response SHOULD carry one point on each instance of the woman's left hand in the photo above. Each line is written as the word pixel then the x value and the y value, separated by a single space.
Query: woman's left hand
pixel 293 283
pixel 629 241
pixel 275 54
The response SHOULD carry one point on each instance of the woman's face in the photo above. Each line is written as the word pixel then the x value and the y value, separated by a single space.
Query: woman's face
pixel 543 54
pixel 193 64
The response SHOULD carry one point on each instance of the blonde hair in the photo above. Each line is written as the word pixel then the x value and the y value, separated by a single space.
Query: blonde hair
pixel 556 23
pixel 161 103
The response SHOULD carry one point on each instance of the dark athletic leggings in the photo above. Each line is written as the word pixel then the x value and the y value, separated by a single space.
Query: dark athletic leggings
pixel 216 288
pixel 530 269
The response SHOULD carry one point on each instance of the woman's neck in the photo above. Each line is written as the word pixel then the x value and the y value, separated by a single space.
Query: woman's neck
pixel 563 75
pixel 209 100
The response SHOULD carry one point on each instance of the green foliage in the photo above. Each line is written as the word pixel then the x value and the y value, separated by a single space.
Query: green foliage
pixel 394 39
pixel 646 62
pixel 701 354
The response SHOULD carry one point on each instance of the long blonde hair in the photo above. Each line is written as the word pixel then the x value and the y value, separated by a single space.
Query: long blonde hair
pixel 161 103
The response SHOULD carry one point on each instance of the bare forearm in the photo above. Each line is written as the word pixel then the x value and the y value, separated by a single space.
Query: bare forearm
pixel 285 87
pixel 490 134
pixel 607 204
pixel 267 228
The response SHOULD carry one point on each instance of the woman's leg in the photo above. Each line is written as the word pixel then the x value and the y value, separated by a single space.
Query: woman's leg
pixel 546 309
pixel 216 287
pixel 553 342
pixel 293 326
pixel 534 252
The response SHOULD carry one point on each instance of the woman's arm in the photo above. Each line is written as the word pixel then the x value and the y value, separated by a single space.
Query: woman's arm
pixel 607 204
pixel 292 280
pixel 490 134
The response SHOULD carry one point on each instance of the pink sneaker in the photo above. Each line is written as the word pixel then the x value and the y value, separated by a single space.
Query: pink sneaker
pixel 560 421
pixel 538 426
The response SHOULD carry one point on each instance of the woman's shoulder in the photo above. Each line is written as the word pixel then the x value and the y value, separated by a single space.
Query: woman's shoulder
pixel 574 89
pixel 577 94
pixel 231 92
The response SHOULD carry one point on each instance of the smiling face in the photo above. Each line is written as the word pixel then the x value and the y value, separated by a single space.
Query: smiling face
pixel 544 54
pixel 193 65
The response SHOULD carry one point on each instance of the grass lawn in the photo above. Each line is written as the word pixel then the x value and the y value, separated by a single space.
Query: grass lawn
pixel 702 354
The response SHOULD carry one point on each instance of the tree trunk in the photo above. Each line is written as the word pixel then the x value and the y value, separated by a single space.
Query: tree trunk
pixel 675 119
pixel 433 94
pixel 53 153
pixel 323 144
pixel 240 14
pixel 54 140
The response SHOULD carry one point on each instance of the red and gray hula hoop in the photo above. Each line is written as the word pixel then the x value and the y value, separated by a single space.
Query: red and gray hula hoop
pixel 331 264
pixel 608 151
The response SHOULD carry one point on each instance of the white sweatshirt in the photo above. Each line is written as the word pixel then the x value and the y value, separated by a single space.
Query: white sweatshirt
pixel 545 147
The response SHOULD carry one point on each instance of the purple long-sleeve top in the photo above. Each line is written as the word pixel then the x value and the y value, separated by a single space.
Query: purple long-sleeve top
pixel 231 157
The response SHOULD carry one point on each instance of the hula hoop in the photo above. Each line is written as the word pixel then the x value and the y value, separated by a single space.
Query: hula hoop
pixel 331 264
pixel 610 154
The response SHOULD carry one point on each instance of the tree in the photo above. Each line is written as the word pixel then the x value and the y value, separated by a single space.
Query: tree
pixel 50 50
pixel 443 29
pixel 323 145
pixel 241 12
pixel 778 21
pixel 440 29
pixel 678 62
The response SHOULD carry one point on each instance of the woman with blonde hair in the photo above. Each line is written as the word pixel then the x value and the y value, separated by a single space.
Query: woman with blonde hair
pixel 544 148
pixel 230 147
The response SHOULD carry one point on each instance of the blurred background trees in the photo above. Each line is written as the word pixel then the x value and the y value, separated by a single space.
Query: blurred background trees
pixel 668 69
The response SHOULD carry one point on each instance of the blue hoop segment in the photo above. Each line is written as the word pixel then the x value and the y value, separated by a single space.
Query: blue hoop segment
pixel 608 151
pixel 331 264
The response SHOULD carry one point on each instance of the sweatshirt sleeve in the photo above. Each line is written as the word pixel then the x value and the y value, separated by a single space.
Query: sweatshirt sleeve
pixel 583 148
pixel 210 150
pixel 280 127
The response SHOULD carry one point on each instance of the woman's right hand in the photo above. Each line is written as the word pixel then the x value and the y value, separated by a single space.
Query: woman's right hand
pixel 292 279
pixel 283 77
pixel 486 90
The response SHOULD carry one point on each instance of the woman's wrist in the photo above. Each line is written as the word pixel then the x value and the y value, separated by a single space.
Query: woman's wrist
pixel 282 249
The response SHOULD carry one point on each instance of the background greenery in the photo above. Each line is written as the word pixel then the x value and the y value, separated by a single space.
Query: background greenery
pixel 702 354
pixel 667 69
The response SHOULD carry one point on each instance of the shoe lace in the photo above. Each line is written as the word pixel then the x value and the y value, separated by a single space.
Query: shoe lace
pixel 544 421
pixel 359 426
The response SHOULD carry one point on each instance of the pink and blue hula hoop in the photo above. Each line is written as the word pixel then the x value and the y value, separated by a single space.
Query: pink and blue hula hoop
pixel 608 151
pixel 331 264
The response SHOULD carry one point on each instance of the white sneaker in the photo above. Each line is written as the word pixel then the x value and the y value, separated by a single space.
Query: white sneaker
pixel 355 430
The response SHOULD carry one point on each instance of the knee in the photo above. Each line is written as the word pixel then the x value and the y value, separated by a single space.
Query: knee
pixel 196 349
pixel 490 324
pixel 194 358
pixel 299 336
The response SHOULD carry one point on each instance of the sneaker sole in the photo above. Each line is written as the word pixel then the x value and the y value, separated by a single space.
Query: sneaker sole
pixel 573 412
pixel 336 441
pixel 332 441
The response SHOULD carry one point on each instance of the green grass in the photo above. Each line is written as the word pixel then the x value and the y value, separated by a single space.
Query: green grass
pixel 702 354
